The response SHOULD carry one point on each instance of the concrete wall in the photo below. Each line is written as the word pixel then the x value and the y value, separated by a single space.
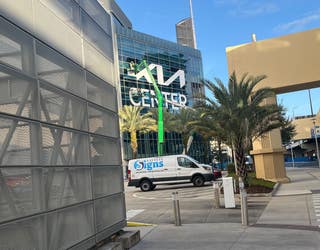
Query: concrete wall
pixel 291 62
pixel 304 126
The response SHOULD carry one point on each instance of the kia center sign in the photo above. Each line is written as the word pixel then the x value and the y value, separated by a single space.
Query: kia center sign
pixel 147 98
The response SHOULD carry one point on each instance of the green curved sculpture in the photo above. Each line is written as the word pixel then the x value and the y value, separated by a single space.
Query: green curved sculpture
pixel 159 97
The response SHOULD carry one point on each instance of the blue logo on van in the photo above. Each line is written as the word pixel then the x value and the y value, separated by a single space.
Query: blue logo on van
pixel 147 165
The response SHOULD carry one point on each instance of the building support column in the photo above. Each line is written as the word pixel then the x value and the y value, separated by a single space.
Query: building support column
pixel 268 155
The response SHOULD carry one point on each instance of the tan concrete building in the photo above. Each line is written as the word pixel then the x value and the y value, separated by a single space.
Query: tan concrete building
pixel 291 63
pixel 304 125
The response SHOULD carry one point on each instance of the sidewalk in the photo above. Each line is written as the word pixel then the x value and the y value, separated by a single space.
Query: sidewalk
pixel 292 203
pixel 288 222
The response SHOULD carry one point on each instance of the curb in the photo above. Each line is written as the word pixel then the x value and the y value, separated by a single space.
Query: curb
pixel 260 194
pixel 138 224
pixel 275 188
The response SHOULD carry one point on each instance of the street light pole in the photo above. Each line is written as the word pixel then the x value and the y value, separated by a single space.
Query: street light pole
pixel 316 138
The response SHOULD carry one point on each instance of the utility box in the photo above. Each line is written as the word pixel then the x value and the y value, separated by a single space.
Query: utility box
pixel 228 192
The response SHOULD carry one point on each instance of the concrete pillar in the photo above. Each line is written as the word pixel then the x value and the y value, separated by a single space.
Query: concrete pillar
pixel 268 154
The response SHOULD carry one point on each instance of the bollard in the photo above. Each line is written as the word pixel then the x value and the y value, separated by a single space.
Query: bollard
pixel 176 209
pixel 244 207
pixel 216 195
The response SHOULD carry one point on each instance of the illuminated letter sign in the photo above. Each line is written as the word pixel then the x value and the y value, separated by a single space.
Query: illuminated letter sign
pixel 175 99
pixel 179 74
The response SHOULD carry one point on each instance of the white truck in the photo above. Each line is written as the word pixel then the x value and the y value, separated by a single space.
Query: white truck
pixel 146 173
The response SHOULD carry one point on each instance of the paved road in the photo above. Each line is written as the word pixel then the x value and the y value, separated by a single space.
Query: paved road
pixel 196 205
pixel 289 221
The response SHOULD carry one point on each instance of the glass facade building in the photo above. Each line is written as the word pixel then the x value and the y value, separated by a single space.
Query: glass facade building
pixel 61 181
pixel 170 60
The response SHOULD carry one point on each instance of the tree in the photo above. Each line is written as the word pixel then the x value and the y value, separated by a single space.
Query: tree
pixel 210 128
pixel 132 121
pixel 168 118
pixel 241 113
pixel 288 130
pixel 182 121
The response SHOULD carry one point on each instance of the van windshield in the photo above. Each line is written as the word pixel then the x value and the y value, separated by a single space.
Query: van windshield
pixel 186 162
pixel 194 160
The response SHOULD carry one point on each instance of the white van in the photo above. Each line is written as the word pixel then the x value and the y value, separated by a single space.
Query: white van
pixel 146 173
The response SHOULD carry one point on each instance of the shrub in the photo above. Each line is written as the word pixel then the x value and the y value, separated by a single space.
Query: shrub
pixel 231 168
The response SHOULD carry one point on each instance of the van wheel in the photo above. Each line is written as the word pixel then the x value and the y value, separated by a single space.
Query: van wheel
pixel 145 185
pixel 198 181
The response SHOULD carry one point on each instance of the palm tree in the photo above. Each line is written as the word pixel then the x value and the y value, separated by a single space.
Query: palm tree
pixel 182 121
pixel 240 113
pixel 208 126
pixel 132 121
pixel 168 118
pixel 288 130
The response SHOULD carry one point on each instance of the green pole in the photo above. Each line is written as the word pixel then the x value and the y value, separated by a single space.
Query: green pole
pixel 160 106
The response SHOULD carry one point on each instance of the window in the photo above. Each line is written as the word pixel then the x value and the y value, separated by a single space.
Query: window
pixel 186 163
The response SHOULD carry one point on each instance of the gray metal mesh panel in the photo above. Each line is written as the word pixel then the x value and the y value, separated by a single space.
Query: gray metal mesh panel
pixel 64 147
pixel 17 96
pixel 32 190
pixel 47 185
pixel 15 47
pixel 25 234
pixel 20 196
pixel 66 186
pixel 114 205
pixel 60 108
pixel 68 11
pixel 101 93
pixel 15 141
pixel 96 35
pixel 105 180
pixel 104 151
pixel 98 14
pixel 102 122
pixel 69 226
pixel 58 70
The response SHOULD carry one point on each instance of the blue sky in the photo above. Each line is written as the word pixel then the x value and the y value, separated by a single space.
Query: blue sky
pixel 223 23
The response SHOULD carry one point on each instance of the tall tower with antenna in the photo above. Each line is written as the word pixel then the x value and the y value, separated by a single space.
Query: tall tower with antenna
pixel 185 30
pixel 193 28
